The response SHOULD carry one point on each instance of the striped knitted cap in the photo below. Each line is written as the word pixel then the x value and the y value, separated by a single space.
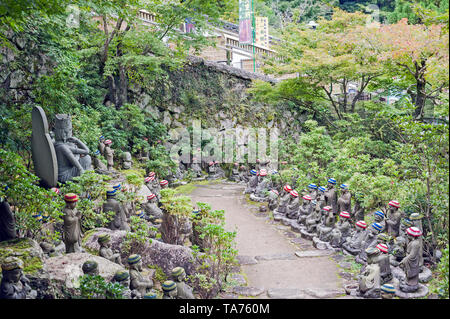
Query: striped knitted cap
pixel 107 142
pixel 11 263
pixel 121 275
pixel 147 179
pixel 177 271
pixel 152 174
pixel 111 192
pixel 327 208
pixel 377 226
pixel 71 197
pixel 394 203
pixel 275 192
pixel 150 295
pixel 104 238
pixel 117 186
pixel 372 251
pixel 383 237
pixel 322 189
pixel 379 213
pixel 89 266
pixel 361 224
pixel 101 138
pixel 388 288
pixel 211 163
pixel 151 196
pixel 169 285
pixel 414 231
pixel 97 152
pixel 332 181
pixel 287 188
pixel 263 172
pixel 253 172
pixel 140 213
pixel 344 186
pixel 345 214
pixel 415 216
pixel 134 259
pixel 307 197
pixel 312 186
pixel 54 189
pixel 37 216
pixel 407 222
pixel 383 248
pixel 294 193
pixel 163 182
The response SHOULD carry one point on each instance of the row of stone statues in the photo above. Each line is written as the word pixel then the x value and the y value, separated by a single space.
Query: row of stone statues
pixel 392 240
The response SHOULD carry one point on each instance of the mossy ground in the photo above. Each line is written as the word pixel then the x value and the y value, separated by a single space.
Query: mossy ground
pixel 21 248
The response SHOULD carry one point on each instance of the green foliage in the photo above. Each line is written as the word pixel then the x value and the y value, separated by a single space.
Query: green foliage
pixel 95 287
pixel 440 283
pixel 137 238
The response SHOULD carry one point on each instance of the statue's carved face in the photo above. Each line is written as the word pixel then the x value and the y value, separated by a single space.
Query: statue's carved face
pixel 71 205
pixel 173 293
pixel 63 134
pixel 12 276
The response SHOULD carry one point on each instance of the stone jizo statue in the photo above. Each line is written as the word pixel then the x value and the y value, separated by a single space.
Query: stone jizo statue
pixel 369 279
pixel 411 263
pixel 305 209
pixel 72 224
pixel 252 183
pixel 170 291
pixel 324 229
pixel 184 291
pixel 387 291
pixel 105 250
pixel 393 219
pixel 354 244
pixel 358 209
pixel 380 219
pixel 123 278
pixel 344 203
pixel 313 191
pixel 285 198
pixel 294 205
pixel 90 267
pixel 126 160
pixel 331 195
pixel 109 154
pixel 101 145
pixel 383 262
pixel 119 221
pixel 14 284
pixel 151 208
pixel 273 199
pixel 137 280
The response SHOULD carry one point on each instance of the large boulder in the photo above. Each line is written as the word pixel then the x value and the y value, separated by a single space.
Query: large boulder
pixel 65 271
pixel 157 253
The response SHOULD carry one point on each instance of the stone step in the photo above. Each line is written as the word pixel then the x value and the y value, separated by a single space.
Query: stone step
pixel 287 293
pixel 313 253
pixel 281 256
pixel 246 260
pixel 248 291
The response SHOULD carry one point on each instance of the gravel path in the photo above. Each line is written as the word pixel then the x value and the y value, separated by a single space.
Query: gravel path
pixel 267 251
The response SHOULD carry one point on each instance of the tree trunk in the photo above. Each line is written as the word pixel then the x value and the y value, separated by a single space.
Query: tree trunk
pixel 420 99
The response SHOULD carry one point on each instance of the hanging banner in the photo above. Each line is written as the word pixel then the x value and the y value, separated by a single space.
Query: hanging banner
pixel 245 21
pixel 262 31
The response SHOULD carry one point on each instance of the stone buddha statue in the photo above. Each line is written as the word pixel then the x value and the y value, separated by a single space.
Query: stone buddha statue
pixel 101 145
pixel 122 277
pixel 184 291
pixel 109 154
pixel 14 284
pixel 313 191
pixel 72 224
pixel 119 221
pixel 252 183
pixel 370 241
pixel 263 184
pixel 273 199
pixel 151 208
pixel 169 288
pixel 320 198
pixel 99 166
pixel 285 198
pixel 293 207
pixel 369 278
pixel 313 219
pixel 137 280
pixel 416 220
pixel 105 250
pixel 410 264
pixel 243 173
pixel 358 210
pixel 72 154
pixel 305 209
pixel 379 218
pixel 331 195
pixel 90 267
pixel 383 262
pixel 341 230
pixel 196 167
pixel 354 243
pixel 393 219
pixel 126 160
pixel 235 177
pixel 325 228
pixel 344 202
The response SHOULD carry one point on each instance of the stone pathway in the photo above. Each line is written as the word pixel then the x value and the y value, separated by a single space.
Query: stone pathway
pixel 275 262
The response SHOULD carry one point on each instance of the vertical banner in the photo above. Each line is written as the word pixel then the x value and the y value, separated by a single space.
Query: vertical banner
pixel 262 31
pixel 245 21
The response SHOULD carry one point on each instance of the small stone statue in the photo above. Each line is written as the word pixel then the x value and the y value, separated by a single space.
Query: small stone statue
pixel 380 219
pixel 341 231
pixel 7 222
pixel 252 183
pixel 354 244
pixel 15 285
pixel 101 145
pixel 305 209
pixel 344 202
pixel 119 221
pixel 393 219
pixel 369 279
pixel 169 288
pixel 273 199
pixel 383 262
pixel 320 198
pixel 109 154
pixel 293 208
pixel 313 191
pixel 90 267
pixel 211 169
pixel 263 184
pixel 325 228
pixel 387 291
pixel 398 251
pixel 164 184
pixel 285 198
pixel 358 210
pixel 410 264
pixel 416 220
pixel 126 160
pixel 370 241
pixel 196 167
pixel 313 219
pixel 72 154
pixel 123 278
pixel 148 182
pixel 98 164
pixel 235 176
pixel 137 281
pixel 105 250
pixel 184 291
pixel 331 196
pixel 151 208
pixel 72 224
pixel 243 173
